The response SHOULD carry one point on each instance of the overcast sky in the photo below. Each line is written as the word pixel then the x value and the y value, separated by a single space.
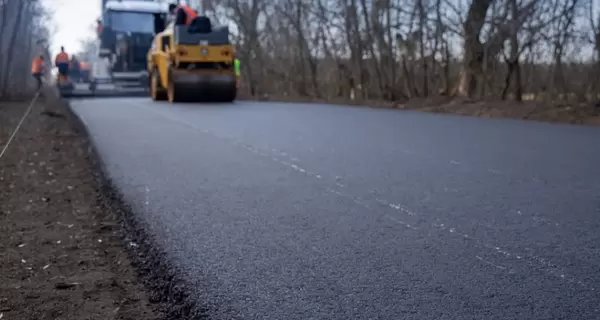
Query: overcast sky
pixel 73 21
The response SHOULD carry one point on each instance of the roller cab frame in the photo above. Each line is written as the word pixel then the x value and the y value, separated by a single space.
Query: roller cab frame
pixel 190 66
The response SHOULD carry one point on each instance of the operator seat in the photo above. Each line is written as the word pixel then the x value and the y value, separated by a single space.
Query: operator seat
pixel 200 24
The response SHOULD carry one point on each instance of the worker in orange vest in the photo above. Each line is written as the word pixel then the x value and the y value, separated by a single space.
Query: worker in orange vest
pixel 62 63
pixel 37 69
pixel 184 14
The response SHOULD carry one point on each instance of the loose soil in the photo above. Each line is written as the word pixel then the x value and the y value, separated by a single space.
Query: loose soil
pixel 563 112
pixel 61 256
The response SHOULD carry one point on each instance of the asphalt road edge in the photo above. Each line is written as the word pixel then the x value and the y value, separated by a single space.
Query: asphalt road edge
pixel 169 293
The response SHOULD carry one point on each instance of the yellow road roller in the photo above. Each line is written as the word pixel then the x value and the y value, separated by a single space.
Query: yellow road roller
pixel 192 63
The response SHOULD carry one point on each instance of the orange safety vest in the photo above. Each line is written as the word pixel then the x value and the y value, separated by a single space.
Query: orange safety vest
pixel 37 66
pixel 190 14
pixel 84 65
pixel 62 57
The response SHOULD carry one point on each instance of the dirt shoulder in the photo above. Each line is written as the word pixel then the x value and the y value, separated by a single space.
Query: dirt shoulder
pixel 574 113
pixel 61 255
pixel 563 112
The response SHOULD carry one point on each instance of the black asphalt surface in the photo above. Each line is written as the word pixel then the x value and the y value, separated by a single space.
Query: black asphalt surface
pixel 306 211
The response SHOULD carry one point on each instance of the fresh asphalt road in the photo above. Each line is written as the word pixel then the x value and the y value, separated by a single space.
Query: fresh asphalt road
pixel 307 211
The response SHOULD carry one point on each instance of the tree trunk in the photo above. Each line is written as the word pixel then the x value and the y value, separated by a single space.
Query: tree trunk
pixel 11 52
pixel 515 52
pixel 472 47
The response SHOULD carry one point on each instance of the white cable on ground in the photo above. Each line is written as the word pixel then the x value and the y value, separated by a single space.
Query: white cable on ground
pixel 12 136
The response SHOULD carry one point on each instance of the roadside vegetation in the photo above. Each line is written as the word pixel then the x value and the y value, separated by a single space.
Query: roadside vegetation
pixel 533 59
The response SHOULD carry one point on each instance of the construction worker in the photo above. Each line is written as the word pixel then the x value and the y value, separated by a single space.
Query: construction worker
pixel 38 69
pixel 62 63
pixel 236 65
pixel 183 13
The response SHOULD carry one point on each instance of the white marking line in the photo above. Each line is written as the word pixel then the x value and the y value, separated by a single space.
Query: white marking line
pixel 397 207
pixel 532 259
pixel 400 208
pixel 241 144
pixel 293 166
pixel 490 263
pixel 543 220
pixel 290 165
pixel 406 151
pixel 403 209
pixel 353 199
pixel 494 171
pixel 147 199
pixel 401 222
pixel 335 192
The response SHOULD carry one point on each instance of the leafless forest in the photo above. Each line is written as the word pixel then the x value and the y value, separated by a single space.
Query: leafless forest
pixel 380 50
pixel 23 34
pixel 403 49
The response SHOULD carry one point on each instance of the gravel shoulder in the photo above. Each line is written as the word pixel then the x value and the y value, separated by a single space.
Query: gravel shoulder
pixel 61 250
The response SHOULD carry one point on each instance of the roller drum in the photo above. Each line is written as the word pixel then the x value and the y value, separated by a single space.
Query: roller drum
pixel 195 86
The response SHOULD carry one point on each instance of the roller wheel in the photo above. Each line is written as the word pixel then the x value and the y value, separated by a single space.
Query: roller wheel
pixel 156 91
pixel 228 95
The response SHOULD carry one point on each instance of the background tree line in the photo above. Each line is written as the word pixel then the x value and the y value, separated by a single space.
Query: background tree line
pixel 379 50
pixel 402 49
pixel 23 35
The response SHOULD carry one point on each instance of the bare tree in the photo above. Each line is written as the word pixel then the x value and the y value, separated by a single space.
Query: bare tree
pixel 380 50
pixel 22 36
pixel 402 49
